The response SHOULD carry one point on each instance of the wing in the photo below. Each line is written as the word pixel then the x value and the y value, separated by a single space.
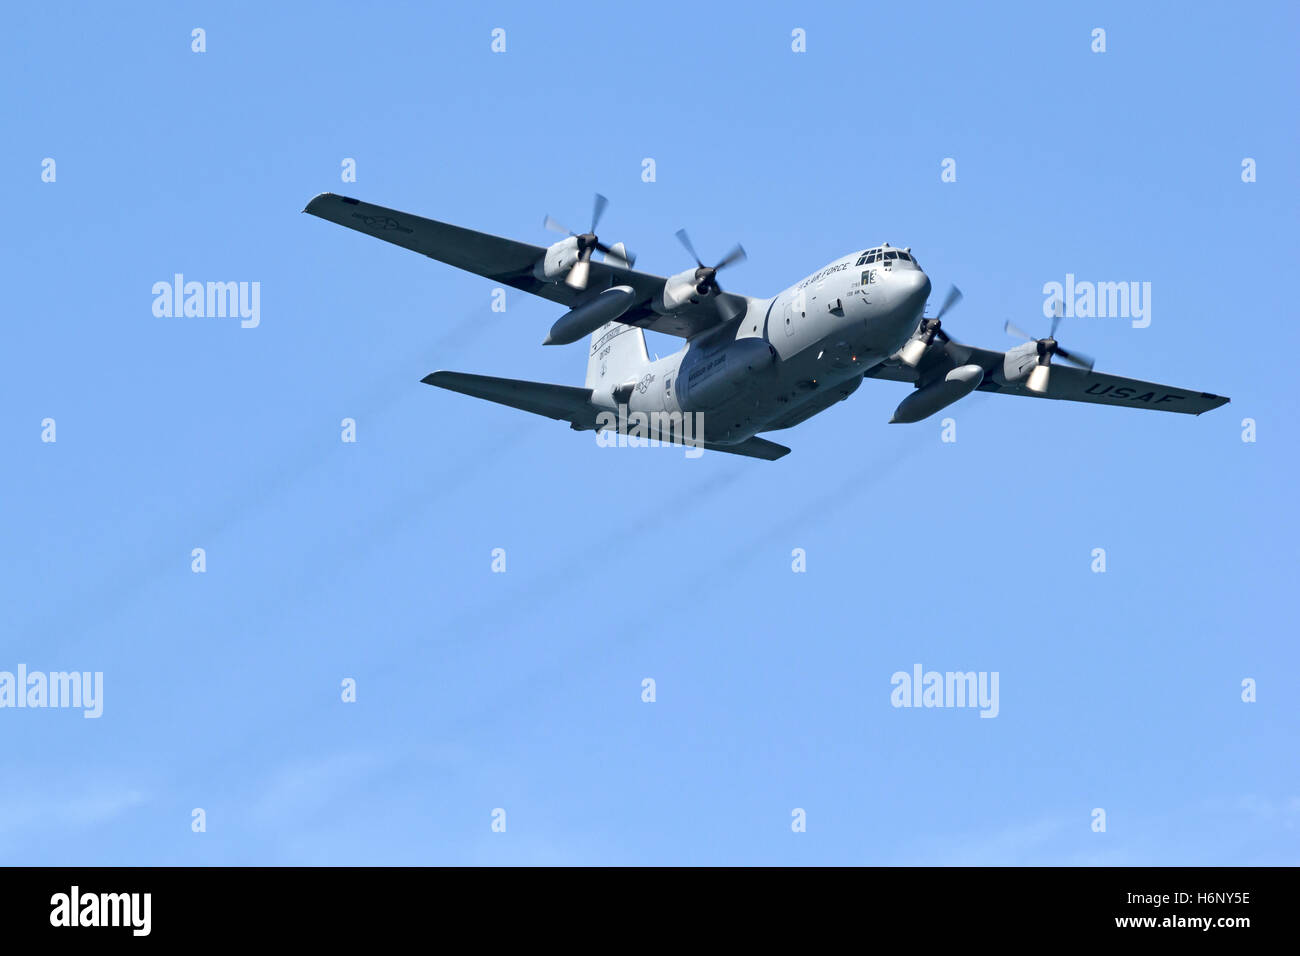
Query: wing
pixel 1066 384
pixel 566 403
pixel 511 263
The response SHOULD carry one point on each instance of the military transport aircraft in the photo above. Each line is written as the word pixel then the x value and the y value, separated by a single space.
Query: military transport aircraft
pixel 749 365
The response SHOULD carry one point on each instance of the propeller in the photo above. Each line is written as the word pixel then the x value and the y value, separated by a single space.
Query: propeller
pixel 588 242
pixel 930 330
pixel 1041 375
pixel 706 277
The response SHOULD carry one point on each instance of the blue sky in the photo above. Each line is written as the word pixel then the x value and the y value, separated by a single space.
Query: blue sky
pixel 522 690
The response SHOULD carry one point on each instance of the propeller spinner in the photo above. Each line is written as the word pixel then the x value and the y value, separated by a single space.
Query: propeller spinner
pixel 706 277
pixel 930 330
pixel 588 242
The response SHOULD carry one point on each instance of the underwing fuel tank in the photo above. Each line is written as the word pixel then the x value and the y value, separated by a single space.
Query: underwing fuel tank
pixel 924 402
pixel 590 316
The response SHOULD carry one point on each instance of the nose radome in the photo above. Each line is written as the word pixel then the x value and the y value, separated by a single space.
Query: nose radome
pixel 914 289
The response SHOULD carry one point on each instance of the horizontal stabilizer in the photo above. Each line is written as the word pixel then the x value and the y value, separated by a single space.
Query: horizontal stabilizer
pixel 561 402
pixel 569 404
pixel 753 448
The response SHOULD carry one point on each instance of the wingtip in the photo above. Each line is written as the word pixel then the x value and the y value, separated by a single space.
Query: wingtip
pixel 321 198
pixel 1218 400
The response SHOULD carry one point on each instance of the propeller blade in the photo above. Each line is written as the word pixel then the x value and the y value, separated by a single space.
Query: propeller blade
pixel 686 241
pixel 952 298
pixel 1058 310
pixel 735 255
pixel 943 336
pixel 1013 329
pixel 1076 358
pixel 578 275
pixel 621 251
pixel 555 225
pixel 1038 379
pixel 598 210
pixel 626 255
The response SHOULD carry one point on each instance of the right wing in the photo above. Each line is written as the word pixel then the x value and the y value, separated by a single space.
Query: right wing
pixel 1067 383
pixel 511 263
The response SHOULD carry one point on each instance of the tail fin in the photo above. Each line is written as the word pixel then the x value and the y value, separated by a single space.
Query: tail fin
pixel 617 355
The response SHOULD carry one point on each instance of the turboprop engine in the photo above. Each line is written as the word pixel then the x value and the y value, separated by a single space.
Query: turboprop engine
pixel 570 259
pixel 715 376
pixel 677 291
pixel 559 259
pixel 1042 351
pixel 697 283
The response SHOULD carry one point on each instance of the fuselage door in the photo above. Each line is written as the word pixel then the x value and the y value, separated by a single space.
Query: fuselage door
pixel 670 393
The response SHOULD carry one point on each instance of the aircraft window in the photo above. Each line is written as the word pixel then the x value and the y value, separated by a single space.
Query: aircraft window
pixel 891 255
pixel 871 258
pixel 905 257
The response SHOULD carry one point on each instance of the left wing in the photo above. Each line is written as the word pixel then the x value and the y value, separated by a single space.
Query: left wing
pixel 511 263
pixel 1066 384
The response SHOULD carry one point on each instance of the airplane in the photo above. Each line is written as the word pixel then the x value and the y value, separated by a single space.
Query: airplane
pixel 749 365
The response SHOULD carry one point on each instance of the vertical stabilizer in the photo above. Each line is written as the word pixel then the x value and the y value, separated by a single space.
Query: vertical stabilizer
pixel 617 356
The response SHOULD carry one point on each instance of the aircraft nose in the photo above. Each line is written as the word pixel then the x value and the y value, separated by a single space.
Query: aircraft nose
pixel 913 290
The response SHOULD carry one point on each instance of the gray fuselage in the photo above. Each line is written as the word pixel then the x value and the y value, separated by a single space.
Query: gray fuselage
pixel 791 356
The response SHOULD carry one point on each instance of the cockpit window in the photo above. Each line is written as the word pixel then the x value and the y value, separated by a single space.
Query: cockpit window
pixel 885 255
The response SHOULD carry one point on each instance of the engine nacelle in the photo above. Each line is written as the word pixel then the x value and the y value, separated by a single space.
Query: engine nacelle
pixel 557 262
pixel 678 291
pixel 715 376
pixel 1019 362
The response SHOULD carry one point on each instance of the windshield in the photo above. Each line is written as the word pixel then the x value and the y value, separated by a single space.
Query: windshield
pixel 883 254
